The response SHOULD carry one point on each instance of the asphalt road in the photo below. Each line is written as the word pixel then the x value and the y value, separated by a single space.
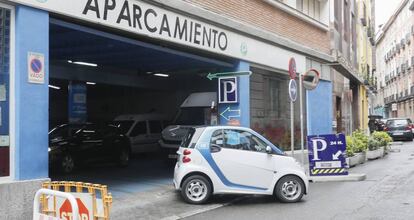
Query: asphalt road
pixel 387 193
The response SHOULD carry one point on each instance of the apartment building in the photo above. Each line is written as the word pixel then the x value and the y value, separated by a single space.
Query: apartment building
pixel 395 62
pixel 365 45
pixel 345 74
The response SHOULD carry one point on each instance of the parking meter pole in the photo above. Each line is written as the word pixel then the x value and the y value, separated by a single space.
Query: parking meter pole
pixel 301 119
pixel 292 130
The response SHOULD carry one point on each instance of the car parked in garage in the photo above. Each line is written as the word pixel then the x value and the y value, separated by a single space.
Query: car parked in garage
pixel 400 128
pixel 143 130
pixel 71 145
pixel 194 111
pixel 236 160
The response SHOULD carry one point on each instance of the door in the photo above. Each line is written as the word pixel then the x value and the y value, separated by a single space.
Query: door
pixel 139 137
pixel 155 129
pixel 242 159
pixel 90 143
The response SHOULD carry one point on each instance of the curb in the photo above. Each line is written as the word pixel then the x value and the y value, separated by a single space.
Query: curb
pixel 349 178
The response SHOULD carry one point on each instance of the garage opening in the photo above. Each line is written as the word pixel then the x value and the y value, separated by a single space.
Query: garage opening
pixel 111 100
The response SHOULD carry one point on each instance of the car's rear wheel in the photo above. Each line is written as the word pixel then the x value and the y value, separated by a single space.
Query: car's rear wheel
pixel 289 189
pixel 196 189
pixel 67 163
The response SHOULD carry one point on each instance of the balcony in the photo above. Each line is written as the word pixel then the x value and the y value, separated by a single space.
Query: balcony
pixel 364 22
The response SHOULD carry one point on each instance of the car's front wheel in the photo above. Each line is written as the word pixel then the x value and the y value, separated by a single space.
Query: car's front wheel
pixel 124 157
pixel 289 189
pixel 67 163
pixel 196 189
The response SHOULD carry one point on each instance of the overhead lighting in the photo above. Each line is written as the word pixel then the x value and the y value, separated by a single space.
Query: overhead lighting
pixel 161 75
pixel 149 72
pixel 54 87
pixel 91 83
pixel 83 63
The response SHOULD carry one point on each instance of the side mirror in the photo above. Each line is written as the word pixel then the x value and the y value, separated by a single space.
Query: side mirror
pixel 269 150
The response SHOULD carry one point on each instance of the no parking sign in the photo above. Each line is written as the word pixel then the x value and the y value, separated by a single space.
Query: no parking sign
pixel 36 68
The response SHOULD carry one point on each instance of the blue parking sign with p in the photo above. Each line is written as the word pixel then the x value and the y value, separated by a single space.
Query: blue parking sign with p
pixel 228 92
pixel 327 155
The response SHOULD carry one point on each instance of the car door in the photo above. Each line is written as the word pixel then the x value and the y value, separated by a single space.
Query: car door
pixel 91 142
pixel 242 159
pixel 155 129
pixel 139 137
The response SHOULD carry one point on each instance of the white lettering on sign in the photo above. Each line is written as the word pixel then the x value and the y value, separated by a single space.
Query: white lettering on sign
pixel 68 216
pixel 142 18
pixel 316 149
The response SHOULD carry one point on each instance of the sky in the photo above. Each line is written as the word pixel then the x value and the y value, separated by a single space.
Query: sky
pixel 384 9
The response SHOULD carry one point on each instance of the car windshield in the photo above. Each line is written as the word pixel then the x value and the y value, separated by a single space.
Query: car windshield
pixel 124 125
pixel 191 116
pixel 64 131
pixel 397 122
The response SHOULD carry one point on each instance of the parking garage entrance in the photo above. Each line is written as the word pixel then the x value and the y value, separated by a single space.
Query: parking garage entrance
pixel 113 100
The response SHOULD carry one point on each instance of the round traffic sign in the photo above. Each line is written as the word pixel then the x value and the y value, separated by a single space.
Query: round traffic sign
pixel 292 68
pixel 293 90
pixel 36 65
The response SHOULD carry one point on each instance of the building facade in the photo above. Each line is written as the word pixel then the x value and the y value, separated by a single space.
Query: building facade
pixel 345 74
pixel 365 44
pixel 394 64
pixel 134 43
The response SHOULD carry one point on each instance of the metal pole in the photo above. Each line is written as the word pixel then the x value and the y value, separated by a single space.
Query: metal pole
pixel 301 120
pixel 292 130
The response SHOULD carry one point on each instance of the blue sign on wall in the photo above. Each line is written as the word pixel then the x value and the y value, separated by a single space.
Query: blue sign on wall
pixel 77 103
pixel 327 155
pixel 228 92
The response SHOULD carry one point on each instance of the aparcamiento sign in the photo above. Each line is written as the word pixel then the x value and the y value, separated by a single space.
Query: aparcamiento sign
pixel 148 20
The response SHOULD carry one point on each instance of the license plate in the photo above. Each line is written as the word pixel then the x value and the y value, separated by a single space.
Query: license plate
pixel 172 156
pixel 398 133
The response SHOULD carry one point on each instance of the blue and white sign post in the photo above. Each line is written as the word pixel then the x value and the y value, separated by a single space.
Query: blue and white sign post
pixel 77 103
pixel 327 155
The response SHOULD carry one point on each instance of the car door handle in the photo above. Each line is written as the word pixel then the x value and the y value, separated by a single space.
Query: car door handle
pixel 215 148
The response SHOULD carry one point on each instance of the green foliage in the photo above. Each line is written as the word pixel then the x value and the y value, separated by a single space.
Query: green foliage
pixel 373 144
pixel 359 142
pixel 382 137
pixel 349 146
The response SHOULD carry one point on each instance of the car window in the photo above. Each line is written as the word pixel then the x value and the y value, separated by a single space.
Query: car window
pixel 397 122
pixel 217 138
pixel 243 140
pixel 155 127
pixel 139 128
pixel 124 125
pixel 187 139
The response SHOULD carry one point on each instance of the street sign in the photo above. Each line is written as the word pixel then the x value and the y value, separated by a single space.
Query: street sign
pixel 293 90
pixel 228 90
pixel 212 76
pixel 85 204
pixel 228 114
pixel 36 68
pixel 292 68
pixel 327 155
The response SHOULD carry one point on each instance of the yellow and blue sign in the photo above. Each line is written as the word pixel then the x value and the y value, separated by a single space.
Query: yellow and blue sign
pixel 327 155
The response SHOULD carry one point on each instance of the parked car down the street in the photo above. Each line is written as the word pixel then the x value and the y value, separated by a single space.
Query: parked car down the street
pixel 71 145
pixel 400 128
pixel 142 130
pixel 235 160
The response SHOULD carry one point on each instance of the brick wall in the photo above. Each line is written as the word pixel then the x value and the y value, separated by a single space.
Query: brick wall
pixel 261 14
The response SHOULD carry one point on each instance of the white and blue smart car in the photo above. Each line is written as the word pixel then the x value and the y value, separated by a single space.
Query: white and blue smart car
pixel 223 160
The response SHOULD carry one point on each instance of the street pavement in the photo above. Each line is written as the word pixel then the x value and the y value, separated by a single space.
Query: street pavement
pixel 387 193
